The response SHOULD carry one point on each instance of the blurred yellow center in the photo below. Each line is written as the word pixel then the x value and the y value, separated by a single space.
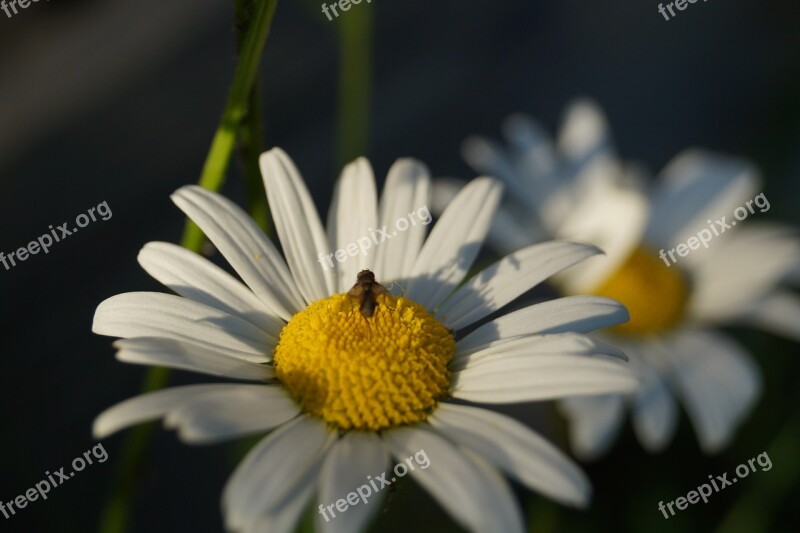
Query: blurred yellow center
pixel 365 373
pixel 655 294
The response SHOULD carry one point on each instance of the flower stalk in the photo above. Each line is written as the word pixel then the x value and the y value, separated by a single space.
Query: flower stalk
pixel 239 118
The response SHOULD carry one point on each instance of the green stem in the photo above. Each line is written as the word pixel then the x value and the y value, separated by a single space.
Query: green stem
pixel 219 155
pixel 243 13
pixel 251 139
pixel 355 77
pixel 250 145
pixel 250 43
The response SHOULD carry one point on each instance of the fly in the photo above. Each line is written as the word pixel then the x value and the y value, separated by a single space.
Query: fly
pixel 366 290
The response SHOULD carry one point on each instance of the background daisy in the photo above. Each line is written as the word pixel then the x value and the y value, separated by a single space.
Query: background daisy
pixel 576 188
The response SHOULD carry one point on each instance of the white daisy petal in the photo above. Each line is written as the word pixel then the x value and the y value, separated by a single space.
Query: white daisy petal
pixel 777 312
pixel 505 508
pixel 609 216
pixel 515 449
pixel 274 472
pixel 511 228
pixel 474 495
pixel 284 519
pixel 594 423
pixel 203 413
pixel 728 280
pixel 694 187
pixel 655 412
pixel 717 382
pixel 584 134
pixel 499 284
pixel 251 254
pixel 153 314
pixel 346 467
pixel 535 164
pixel 580 314
pixel 490 158
pixel 407 190
pixel 229 413
pixel 174 354
pixel 298 225
pixel 534 345
pixel 454 243
pixel 353 213
pixel 198 279
pixel 524 378
pixel 149 407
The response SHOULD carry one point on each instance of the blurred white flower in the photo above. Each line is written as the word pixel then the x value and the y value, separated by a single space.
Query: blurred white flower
pixel 576 188
pixel 344 391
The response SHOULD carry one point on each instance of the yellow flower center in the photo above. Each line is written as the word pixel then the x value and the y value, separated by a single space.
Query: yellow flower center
pixel 365 373
pixel 655 294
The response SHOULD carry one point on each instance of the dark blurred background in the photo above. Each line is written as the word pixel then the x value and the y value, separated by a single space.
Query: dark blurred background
pixel 117 101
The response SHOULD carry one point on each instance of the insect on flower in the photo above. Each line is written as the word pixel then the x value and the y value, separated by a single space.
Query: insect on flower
pixel 366 289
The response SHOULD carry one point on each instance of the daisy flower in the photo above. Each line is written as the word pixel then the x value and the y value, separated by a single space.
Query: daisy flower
pixel 344 381
pixel 576 188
